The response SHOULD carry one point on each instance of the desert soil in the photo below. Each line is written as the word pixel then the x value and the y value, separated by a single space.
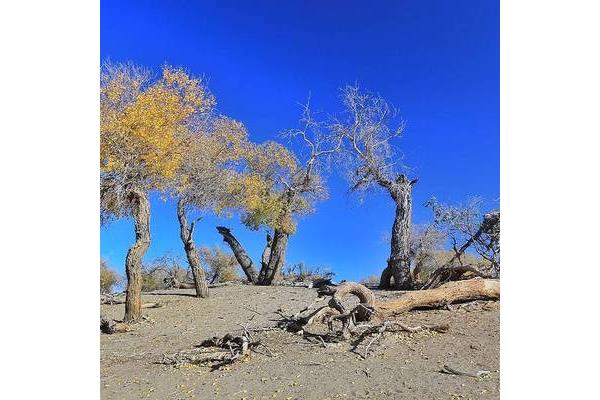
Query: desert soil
pixel 400 365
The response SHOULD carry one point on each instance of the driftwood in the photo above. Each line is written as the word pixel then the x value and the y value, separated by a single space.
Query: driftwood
pixel 218 352
pixel 112 300
pixel 451 292
pixel 453 371
pixel 110 327
pixel 182 285
pixel 449 272
pixel 369 309
pixel 393 326
pixel 376 314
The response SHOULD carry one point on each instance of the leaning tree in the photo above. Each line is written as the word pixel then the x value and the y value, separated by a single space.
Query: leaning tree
pixel 373 162
pixel 275 188
pixel 213 149
pixel 141 125
pixel 467 228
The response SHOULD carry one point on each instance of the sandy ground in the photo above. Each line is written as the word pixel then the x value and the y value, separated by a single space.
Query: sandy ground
pixel 400 365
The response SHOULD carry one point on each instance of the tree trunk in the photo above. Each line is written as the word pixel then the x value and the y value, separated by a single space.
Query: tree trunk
pixel 271 271
pixel 472 289
pixel 266 252
pixel 240 253
pixel 186 234
pixel 399 262
pixel 140 210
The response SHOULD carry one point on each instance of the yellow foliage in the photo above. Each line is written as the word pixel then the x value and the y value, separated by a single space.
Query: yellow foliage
pixel 260 190
pixel 143 124
pixel 214 149
pixel 108 277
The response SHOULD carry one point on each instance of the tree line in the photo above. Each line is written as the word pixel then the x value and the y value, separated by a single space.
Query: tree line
pixel 165 134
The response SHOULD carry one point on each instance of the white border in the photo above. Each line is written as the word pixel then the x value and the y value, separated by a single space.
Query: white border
pixel 49 203
pixel 549 174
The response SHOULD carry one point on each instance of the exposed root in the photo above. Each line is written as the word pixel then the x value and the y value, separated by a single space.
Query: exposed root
pixel 371 310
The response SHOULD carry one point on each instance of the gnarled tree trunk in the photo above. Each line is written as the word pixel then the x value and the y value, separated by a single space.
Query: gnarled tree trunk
pixel 266 255
pixel 399 262
pixel 270 271
pixel 451 292
pixel 240 254
pixel 186 234
pixel 272 260
pixel 140 210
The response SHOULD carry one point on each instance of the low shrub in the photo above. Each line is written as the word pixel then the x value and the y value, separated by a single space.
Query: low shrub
pixel 300 273
pixel 109 278
pixel 220 265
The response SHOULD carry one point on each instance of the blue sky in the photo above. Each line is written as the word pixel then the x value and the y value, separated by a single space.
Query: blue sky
pixel 438 61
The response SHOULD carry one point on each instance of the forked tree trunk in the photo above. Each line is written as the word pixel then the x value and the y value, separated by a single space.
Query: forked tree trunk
pixel 270 272
pixel 266 252
pixel 399 262
pixel 140 209
pixel 272 260
pixel 240 254
pixel 186 234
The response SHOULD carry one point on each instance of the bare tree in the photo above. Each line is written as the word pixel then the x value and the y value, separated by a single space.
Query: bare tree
pixel 375 163
pixel 109 278
pixel 467 228
pixel 165 272
pixel 277 187
pixel 426 244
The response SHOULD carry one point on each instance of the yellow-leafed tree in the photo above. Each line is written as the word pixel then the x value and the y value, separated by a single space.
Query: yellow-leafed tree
pixel 215 147
pixel 143 125
pixel 275 187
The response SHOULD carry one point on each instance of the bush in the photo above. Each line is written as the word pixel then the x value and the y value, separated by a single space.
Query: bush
pixel 301 273
pixel 108 277
pixel 371 280
pixel 221 266
pixel 163 272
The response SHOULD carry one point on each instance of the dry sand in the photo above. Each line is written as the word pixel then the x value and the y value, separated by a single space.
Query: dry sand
pixel 400 365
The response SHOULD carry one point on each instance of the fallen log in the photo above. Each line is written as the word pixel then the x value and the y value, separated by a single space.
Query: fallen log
pixel 451 292
pixel 369 308
pixel 122 301
pixel 110 327
pixel 450 272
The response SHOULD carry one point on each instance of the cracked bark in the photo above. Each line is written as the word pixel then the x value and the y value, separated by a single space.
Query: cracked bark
pixel 270 272
pixel 272 260
pixel 186 234
pixel 240 254
pixel 140 210
pixel 399 262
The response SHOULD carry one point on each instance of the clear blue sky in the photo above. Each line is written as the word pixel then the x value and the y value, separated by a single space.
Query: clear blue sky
pixel 437 60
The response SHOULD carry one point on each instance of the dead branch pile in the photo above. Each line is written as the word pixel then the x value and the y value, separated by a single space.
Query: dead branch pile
pixel 363 324
pixel 217 352
pixel 354 322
